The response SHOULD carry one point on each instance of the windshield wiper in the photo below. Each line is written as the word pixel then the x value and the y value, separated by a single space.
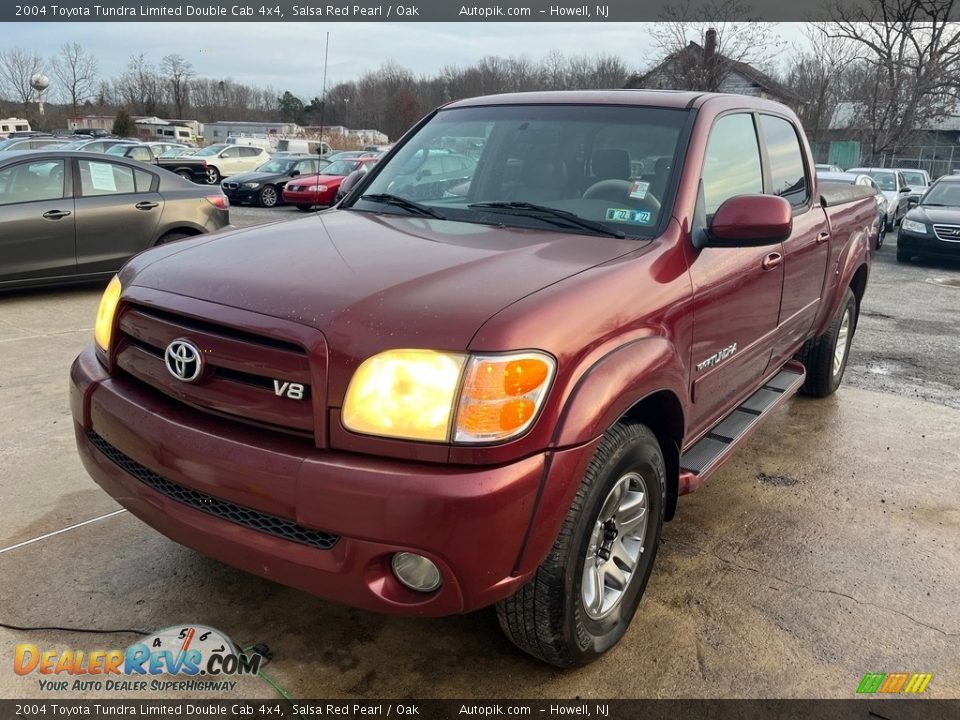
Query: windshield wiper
pixel 388 199
pixel 530 209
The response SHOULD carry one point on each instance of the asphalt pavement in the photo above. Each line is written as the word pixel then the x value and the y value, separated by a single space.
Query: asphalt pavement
pixel 824 549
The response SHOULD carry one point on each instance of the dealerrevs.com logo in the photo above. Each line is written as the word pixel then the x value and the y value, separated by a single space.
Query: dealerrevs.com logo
pixel 894 683
pixel 188 651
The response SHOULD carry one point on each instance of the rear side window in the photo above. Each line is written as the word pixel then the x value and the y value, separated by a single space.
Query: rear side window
pixel 787 174
pixel 105 178
pixel 144 180
pixel 732 163
pixel 249 152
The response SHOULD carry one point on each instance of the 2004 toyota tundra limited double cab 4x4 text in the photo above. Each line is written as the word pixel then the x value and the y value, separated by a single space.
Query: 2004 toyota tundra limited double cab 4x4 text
pixel 488 384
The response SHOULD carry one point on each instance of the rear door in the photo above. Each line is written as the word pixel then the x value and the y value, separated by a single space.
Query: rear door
pixel 807 249
pixel 118 210
pixel 736 290
pixel 37 233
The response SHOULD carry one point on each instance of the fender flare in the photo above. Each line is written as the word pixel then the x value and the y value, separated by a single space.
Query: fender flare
pixel 603 394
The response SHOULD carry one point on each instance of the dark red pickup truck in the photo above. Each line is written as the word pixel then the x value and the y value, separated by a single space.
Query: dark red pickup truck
pixel 489 383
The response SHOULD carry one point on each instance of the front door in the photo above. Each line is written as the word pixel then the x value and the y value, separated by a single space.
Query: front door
pixel 37 233
pixel 736 290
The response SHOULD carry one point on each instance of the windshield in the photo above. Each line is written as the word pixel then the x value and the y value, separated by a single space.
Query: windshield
pixel 886 180
pixel 75 145
pixel 340 167
pixel 210 151
pixel 605 164
pixel 943 193
pixel 277 166
pixel 913 177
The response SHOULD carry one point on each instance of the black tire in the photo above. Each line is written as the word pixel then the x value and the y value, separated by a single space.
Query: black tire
pixel 304 208
pixel 185 174
pixel 903 255
pixel 548 617
pixel 173 237
pixel 268 196
pixel 880 236
pixel 819 354
pixel 213 175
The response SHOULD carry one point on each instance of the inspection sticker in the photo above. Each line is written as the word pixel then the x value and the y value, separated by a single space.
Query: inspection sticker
pixel 630 216
pixel 639 189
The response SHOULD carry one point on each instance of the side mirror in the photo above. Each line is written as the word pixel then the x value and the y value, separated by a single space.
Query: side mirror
pixel 913 202
pixel 294 173
pixel 904 190
pixel 751 221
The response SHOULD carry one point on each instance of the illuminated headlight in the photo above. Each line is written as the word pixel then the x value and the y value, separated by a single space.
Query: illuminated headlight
pixel 914 227
pixel 447 397
pixel 103 328
pixel 251 186
pixel 317 188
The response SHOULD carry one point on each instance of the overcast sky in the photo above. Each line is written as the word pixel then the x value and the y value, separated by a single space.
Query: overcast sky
pixel 290 55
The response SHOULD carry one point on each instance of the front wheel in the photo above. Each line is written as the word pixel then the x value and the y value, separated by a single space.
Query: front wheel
pixel 583 596
pixel 304 208
pixel 213 175
pixel 825 356
pixel 268 197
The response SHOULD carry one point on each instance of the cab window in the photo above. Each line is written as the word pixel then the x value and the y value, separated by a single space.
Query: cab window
pixel 732 163
pixel 787 174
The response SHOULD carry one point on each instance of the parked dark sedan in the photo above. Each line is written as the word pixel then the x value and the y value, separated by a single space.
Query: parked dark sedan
pixel 264 186
pixel 73 216
pixel 933 226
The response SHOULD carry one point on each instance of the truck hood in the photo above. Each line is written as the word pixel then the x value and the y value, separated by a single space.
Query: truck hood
pixel 370 282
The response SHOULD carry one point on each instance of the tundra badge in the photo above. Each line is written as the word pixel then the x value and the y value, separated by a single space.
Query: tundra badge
pixel 717 357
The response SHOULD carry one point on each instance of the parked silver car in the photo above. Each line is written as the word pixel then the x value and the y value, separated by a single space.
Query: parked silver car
pixel 894 187
pixel 72 216
pixel 919 182
pixel 852 178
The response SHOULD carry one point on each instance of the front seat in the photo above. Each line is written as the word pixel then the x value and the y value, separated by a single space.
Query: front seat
pixel 609 164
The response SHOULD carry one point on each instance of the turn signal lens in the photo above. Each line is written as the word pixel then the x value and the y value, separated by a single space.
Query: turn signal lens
pixel 406 394
pixel 108 308
pixel 501 395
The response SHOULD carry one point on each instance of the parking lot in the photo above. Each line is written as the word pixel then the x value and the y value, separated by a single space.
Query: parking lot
pixel 824 549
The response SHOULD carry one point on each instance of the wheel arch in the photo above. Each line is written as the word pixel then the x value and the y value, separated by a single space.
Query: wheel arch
pixel 640 381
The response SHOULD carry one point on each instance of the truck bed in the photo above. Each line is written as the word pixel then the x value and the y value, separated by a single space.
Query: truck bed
pixel 833 194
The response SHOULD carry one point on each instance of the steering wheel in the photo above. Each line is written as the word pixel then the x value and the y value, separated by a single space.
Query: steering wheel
pixel 618 191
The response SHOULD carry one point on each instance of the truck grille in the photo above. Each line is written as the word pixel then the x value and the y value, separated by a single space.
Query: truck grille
pixel 948 233
pixel 244 376
pixel 223 509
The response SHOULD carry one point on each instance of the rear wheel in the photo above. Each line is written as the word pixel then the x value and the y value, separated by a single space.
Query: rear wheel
pixel 825 356
pixel 185 174
pixel 173 237
pixel 268 197
pixel 583 596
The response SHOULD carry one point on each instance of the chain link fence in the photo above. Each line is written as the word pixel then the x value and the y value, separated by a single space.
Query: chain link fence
pixel 943 159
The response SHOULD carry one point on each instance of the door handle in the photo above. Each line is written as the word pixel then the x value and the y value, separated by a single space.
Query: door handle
pixel 146 205
pixel 823 237
pixel 56 214
pixel 771 261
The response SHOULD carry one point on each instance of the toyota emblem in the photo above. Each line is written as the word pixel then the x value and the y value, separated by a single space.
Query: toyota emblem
pixel 183 360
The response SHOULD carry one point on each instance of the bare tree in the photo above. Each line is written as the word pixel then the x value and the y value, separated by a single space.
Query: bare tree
pixel 698 54
pixel 17 66
pixel 140 88
pixel 178 72
pixel 820 73
pixel 908 72
pixel 76 72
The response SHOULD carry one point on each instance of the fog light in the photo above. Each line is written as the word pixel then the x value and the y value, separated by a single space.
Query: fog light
pixel 416 572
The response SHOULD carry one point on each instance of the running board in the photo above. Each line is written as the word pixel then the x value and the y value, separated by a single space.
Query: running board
pixel 698 462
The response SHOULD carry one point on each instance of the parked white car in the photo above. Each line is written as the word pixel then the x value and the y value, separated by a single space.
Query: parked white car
pixel 894 187
pixel 226 160
pixel 852 178
pixel 918 180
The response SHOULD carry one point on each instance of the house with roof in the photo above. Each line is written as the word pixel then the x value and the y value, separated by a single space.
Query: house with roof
pixel 702 67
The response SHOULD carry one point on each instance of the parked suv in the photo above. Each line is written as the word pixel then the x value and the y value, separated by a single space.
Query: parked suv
pixel 225 160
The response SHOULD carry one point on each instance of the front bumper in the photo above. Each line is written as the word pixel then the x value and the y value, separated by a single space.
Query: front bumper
pixel 238 196
pixel 308 198
pixel 927 243
pixel 471 521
